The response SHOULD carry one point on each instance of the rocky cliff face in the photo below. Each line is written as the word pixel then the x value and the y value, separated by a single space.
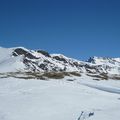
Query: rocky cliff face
pixel 22 60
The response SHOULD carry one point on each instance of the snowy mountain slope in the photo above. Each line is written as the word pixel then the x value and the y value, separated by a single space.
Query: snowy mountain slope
pixel 58 100
pixel 20 59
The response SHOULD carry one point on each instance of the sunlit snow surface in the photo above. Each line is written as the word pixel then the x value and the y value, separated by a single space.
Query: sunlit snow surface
pixel 59 99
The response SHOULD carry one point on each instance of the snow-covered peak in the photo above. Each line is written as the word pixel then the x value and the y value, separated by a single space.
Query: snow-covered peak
pixel 104 60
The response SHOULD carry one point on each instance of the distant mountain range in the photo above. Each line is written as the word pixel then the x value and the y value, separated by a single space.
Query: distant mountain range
pixel 21 62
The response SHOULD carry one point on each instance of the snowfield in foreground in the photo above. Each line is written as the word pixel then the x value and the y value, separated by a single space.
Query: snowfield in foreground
pixel 81 99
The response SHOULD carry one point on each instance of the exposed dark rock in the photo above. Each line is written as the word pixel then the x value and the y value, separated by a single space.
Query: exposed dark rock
pixel 76 64
pixel 101 76
pixel 14 54
pixel 26 61
pixel 60 59
pixel 20 51
pixel 91 60
pixel 43 67
pixel 44 53
pixel 46 61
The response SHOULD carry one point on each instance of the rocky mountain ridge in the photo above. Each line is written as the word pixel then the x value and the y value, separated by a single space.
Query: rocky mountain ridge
pixel 21 60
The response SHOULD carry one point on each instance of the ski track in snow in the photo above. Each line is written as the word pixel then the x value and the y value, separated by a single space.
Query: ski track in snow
pixel 103 88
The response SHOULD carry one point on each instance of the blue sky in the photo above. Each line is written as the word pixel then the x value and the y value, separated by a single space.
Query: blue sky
pixel 76 28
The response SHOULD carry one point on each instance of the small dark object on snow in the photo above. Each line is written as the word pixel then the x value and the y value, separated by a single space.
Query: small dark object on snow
pixel 91 114
pixel 80 115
